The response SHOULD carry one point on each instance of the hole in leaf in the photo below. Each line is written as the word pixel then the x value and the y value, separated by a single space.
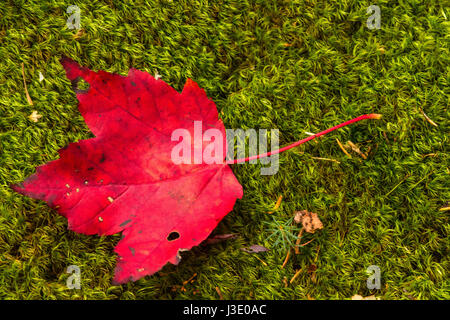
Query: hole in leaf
pixel 79 85
pixel 173 236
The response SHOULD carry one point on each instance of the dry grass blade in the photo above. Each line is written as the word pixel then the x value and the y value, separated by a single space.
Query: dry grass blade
pixel 428 119
pixel 326 159
pixel 342 148
pixel 25 86
pixel 261 260
pixel 356 149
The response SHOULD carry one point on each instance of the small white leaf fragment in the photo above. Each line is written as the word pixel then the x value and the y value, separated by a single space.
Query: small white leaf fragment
pixel 41 77
pixel 34 116
pixel 100 219
pixel 110 199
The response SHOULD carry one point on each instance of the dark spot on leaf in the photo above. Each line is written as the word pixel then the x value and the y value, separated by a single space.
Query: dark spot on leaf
pixel 91 168
pixel 173 236
pixel 133 84
pixel 123 224
pixel 102 159
pixel 132 250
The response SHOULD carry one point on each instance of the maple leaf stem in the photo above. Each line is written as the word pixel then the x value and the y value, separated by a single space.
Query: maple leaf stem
pixel 295 144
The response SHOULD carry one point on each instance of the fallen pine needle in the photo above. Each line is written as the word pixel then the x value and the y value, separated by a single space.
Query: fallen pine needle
pixel 295 275
pixel 356 149
pixel 219 293
pixel 287 258
pixel 188 280
pixel 297 243
pixel 304 244
pixel 428 119
pixel 430 155
pixel 415 185
pixel 262 261
pixel 326 159
pixel 406 177
pixel 444 209
pixel 25 86
pixel 277 205
pixel 342 148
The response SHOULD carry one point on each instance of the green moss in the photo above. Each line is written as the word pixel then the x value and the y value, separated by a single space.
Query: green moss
pixel 292 65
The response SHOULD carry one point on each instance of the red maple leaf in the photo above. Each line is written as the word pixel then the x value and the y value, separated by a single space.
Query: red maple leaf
pixel 124 180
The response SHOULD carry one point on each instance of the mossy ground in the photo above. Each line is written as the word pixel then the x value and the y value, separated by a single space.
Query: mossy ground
pixel 292 65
